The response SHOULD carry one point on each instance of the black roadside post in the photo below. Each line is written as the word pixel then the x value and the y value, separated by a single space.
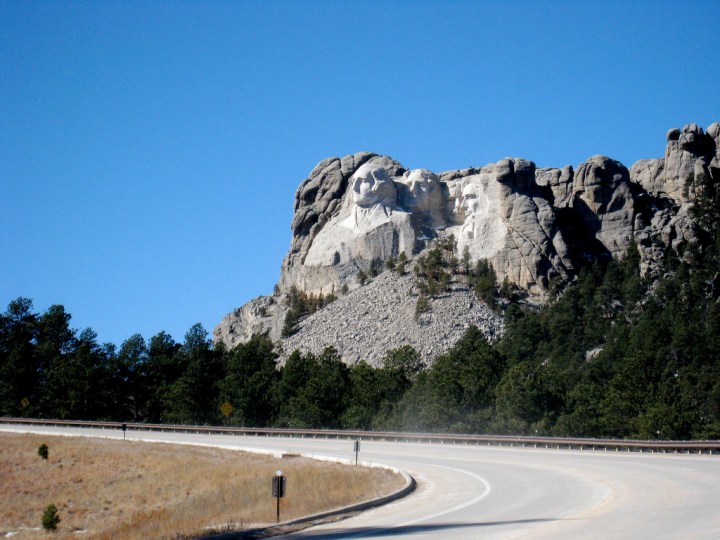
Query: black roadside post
pixel 124 428
pixel 356 449
pixel 278 490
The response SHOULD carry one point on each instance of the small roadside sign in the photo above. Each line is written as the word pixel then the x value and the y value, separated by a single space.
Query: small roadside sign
pixel 356 449
pixel 226 409
pixel 278 490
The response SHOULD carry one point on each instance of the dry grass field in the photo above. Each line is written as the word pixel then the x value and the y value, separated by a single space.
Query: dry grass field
pixel 110 489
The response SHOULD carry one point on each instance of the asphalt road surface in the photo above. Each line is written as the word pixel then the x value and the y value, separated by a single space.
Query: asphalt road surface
pixel 492 492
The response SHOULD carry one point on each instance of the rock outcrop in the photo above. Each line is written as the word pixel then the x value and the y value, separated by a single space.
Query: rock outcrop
pixel 363 209
pixel 343 224
pixel 534 225
pixel 500 213
pixel 667 189
pixel 603 202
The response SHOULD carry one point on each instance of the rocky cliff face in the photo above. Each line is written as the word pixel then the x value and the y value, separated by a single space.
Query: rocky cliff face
pixel 535 225
pixel 666 189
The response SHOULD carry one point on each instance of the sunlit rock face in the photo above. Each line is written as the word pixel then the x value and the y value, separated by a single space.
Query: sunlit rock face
pixel 497 212
pixel 690 153
pixel 534 225
pixel 602 199
pixel 362 226
pixel 423 195
pixel 503 215
pixel 667 188
pixel 370 227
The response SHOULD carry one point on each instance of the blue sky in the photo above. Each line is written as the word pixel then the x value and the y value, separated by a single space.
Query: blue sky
pixel 150 151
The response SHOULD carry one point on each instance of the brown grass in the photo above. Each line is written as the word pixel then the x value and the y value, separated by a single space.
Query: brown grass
pixel 133 490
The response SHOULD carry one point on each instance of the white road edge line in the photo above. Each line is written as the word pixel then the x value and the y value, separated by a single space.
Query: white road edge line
pixel 480 497
pixel 485 493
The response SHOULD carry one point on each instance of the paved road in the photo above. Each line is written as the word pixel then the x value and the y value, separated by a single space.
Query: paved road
pixel 494 493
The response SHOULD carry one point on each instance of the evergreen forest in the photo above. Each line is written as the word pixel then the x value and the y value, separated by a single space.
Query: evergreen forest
pixel 612 354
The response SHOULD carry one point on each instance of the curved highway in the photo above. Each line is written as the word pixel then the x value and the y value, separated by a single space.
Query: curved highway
pixel 493 492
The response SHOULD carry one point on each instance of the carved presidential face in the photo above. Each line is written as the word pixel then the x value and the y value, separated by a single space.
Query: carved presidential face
pixel 420 182
pixel 453 202
pixel 371 185
pixel 424 190
pixel 468 202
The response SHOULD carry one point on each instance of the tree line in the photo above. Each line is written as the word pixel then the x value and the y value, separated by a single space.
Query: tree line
pixel 603 359
pixel 611 355
pixel 49 370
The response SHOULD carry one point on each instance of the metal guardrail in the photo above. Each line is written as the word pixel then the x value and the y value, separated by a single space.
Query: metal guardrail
pixel 700 447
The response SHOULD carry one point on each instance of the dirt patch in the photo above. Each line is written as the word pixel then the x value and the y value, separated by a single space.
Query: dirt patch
pixel 108 489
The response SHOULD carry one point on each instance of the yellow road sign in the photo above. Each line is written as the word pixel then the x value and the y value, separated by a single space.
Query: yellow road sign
pixel 226 408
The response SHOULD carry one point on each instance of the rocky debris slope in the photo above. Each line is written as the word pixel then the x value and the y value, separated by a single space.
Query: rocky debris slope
pixel 534 225
pixel 369 321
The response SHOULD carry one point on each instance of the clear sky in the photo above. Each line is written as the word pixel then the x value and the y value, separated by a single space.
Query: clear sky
pixel 150 150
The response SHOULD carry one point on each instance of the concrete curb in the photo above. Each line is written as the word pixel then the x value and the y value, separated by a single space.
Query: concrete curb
pixel 263 532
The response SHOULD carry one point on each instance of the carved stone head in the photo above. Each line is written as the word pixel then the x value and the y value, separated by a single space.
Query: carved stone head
pixel 371 186
pixel 424 196
pixel 424 190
